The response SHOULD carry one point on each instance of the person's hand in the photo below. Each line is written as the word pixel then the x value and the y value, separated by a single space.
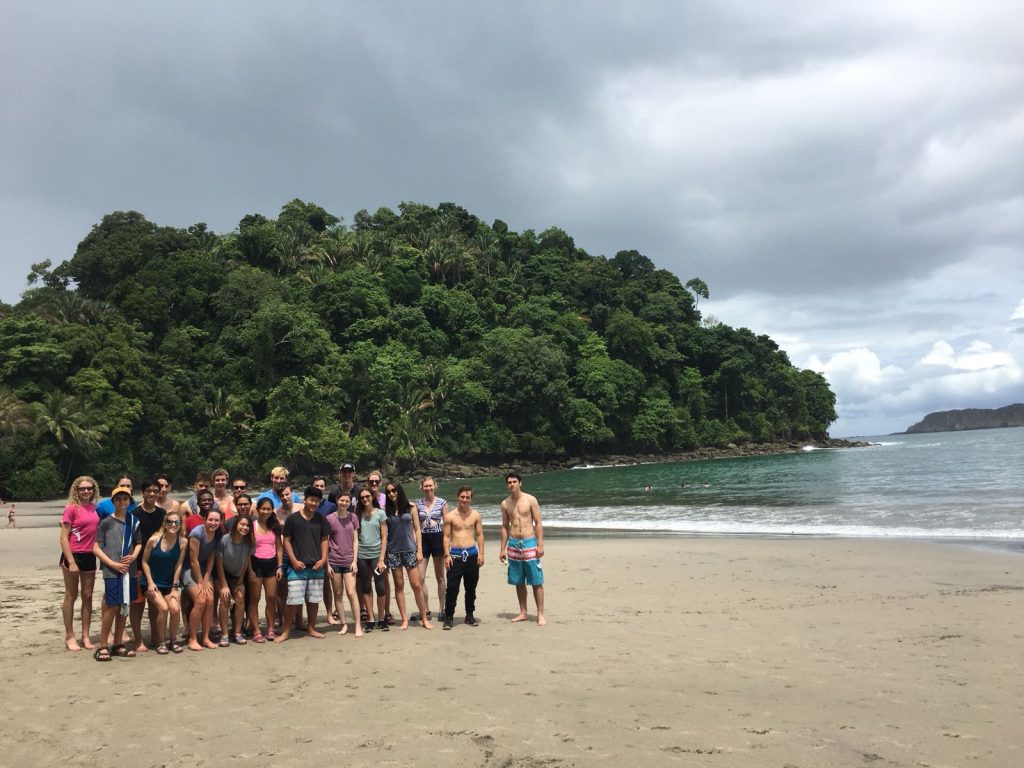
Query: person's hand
pixel 318 565
pixel 72 566
pixel 298 565
pixel 225 593
pixel 419 556
pixel 151 589
pixel 447 562
pixel 280 573
pixel 480 559
pixel 127 559
pixel 380 566
pixel 540 551
pixel 502 555
pixel 330 570
pixel 121 567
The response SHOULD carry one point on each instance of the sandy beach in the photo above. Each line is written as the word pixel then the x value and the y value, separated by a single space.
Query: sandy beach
pixel 666 651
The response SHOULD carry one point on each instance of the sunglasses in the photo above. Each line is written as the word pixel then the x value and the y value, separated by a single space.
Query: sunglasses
pixel 172 522
pixel 86 488
pixel 365 498
pixel 239 487
pixel 391 491
pixel 374 482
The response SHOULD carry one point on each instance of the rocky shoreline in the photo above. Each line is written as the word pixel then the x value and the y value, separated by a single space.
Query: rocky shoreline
pixel 455 470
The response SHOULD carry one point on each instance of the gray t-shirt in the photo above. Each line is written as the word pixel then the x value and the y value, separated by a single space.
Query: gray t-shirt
pixel 110 536
pixel 233 555
pixel 369 535
pixel 206 549
pixel 400 533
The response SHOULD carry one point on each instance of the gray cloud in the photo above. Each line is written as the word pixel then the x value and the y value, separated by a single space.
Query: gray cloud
pixel 842 176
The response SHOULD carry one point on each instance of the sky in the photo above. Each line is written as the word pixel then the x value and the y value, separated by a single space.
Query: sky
pixel 847 177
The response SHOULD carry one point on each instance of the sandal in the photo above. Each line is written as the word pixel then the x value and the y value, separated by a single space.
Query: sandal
pixel 223 642
pixel 271 636
pixel 122 651
pixel 176 647
pixel 259 638
pixel 161 650
pixel 240 640
pixel 102 654
pixel 389 619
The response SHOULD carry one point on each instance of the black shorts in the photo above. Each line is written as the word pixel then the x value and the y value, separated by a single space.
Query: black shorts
pixel 433 544
pixel 264 567
pixel 86 561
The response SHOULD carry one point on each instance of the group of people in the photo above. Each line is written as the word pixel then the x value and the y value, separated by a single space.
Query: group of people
pixel 207 562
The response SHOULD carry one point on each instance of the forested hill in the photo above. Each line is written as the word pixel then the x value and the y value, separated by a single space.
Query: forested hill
pixel 418 334
pixel 970 418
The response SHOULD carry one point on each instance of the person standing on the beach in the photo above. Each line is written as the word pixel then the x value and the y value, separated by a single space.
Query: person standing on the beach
pixel 463 555
pixel 105 507
pixel 266 568
pixel 346 484
pixel 151 520
pixel 10 516
pixel 404 551
pixel 342 552
pixel 77 562
pixel 117 553
pixel 225 501
pixel 278 487
pixel 169 505
pixel 305 548
pixel 373 544
pixel 432 510
pixel 522 545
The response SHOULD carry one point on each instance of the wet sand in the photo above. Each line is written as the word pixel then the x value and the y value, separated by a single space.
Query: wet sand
pixel 669 651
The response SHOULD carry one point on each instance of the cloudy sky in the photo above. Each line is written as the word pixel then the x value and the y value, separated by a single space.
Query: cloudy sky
pixel 847 177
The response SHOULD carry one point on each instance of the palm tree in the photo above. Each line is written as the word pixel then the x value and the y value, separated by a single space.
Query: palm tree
pixel 62 418
pixel 15 414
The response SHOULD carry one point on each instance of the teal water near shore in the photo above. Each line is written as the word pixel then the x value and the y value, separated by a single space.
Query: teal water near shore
pixel 951 485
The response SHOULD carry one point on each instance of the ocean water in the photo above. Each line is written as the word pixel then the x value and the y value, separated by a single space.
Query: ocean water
pixel 952 485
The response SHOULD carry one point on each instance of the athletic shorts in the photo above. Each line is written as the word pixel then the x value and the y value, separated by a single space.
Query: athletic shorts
pixel 233 581
pixel 395 560
pixel 433 544
pixel 305 586
pixel 114 592
pixel 264 567
pixel 86 561
pixel 187 581
pixel 523 564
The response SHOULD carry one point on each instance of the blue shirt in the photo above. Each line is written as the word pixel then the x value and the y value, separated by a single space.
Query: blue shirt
pixel 106 508
pixel 272 495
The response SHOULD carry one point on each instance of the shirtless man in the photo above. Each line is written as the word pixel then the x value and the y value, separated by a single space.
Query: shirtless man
pixel 10 517
pixel 463 555
pixel 522 545
pixel 163 482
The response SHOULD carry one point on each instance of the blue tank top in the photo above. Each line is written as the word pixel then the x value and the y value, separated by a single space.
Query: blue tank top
pixel 162 564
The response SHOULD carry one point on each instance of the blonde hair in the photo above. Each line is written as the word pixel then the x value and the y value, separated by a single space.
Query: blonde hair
pixel 73 491
pixel 280 471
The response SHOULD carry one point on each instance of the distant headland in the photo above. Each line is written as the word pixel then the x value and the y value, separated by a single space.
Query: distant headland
pixel 970 418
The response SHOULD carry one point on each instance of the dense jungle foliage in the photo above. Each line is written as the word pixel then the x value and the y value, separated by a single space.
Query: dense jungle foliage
pixel 421 334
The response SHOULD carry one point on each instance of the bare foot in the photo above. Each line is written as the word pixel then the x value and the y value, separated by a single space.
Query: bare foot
pixel 541 621
pixel 520 617
pixel 343 630
pixel 208 643
pixel 332 621
pixel 141 648
pixel 87 644
pixel 359 631
pixel 405 624
pixel 194 646
pixel 72 644
pixel 426 624
pixel 281 638
pixel 315 633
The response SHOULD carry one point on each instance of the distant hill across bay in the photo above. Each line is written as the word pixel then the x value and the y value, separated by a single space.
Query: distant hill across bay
pixel 970 418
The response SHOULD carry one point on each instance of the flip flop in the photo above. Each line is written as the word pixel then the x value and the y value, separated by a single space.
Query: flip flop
pixel 122 651
pixel 240 640
pixel 161 649
pixel 223 643
pixel 259 638
pixel 102 654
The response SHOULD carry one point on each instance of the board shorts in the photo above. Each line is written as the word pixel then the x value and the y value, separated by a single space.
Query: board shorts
pixel 305 586
pixel 523 564
pixel 433 544
pixel 86 561
pixel 115 593
pixel 393 560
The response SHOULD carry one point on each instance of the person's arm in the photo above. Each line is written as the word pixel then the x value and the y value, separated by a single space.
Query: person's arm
pixel 447 538
pixel 538 528
pixel 178 568
pixel 504 533
pixel 65 546
pixel 417 532
pixel 280 555
pixel 323 553
pixel 480 539
pixel 383 544
pixel 193 558
pixel 297 564
pixel 222 579
pixel 355 548
pixel 146 554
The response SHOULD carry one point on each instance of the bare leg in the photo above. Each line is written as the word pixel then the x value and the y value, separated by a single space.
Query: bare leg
pixel 195 619
pixel 239 607
pixel 135 616
pixel 67 609
pixel 174 614
pixel 87 581
pixel 440 575
pixel 106 623
pixel 311 613
pixel 270 594
pixel 399 578
pixel 420 594
pixel 387 597
pixel 335 585
pixel 253 609
pixel 208 623
pixel 521 594
pixel 157 602
pixel 286 623
pixel 329 603
pixel 538 598
pixel 422 567
pixel 223 610
pixel 350 589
